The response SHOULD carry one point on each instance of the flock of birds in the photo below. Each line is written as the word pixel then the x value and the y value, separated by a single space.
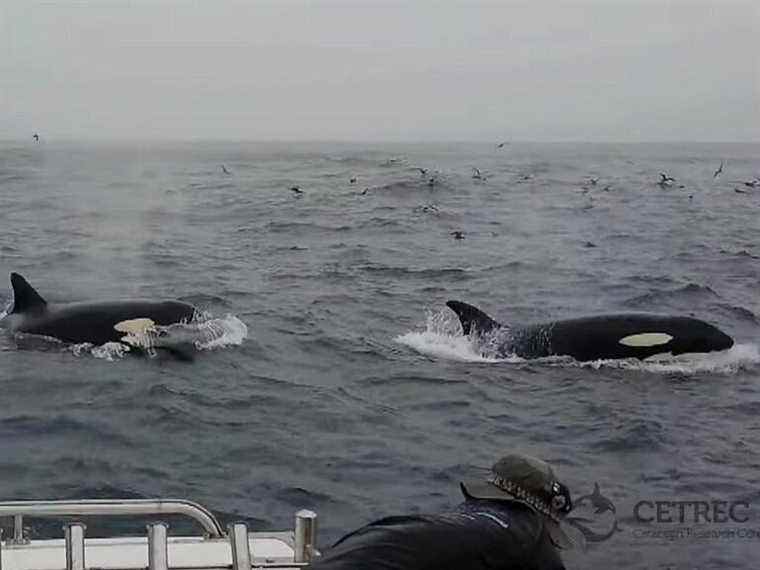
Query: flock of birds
pixel 432 180
pixel 665 181
pixel 432 177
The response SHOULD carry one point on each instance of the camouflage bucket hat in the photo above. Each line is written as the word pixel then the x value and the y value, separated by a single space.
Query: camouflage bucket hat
pixel 530 481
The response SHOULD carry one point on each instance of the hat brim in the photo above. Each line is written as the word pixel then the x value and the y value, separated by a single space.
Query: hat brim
pixel 484 490
pixel 557 533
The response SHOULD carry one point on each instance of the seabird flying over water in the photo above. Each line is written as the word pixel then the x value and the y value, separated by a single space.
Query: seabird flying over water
pixel 593 180
pixel 501 145
pixel 36 137
pixel 423 171
pixel 720 169
pixel 458 234
pixel 224 169
pixel 353 180
pixel 476 173
pixel 753 183
pixel 296 190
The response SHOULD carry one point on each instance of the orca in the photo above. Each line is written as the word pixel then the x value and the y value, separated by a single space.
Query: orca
pixel 128 322
pixel 628 335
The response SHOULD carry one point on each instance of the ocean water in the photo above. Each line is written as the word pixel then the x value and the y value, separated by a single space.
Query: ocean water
pixel 339 381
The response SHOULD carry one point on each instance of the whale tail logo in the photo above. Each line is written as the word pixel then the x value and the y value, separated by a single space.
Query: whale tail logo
pixel 602 524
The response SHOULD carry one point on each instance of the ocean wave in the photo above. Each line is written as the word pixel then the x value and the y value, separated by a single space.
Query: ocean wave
pixel 6 178
pixel 691 292
pixel 378 222
pixel 27 425
pixel 633 434
pixel 414 183
pixel 425 273
pixel 288 227
pixel 739 313
pixel 204 299
pixel 740 254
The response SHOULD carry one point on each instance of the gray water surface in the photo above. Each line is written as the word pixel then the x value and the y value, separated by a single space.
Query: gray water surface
pixel 354 393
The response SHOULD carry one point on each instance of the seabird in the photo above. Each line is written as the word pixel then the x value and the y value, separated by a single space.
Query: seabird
pixel 431 182
pixel 364 192
pixel 36 137
pixel 353 180
pixel 501 145
pixel 740 191
pixel 476 173
pixel 720 169
pixel 593 180
pixel 458 234
pixel 753 184
pixel 665 180
pixel 224 169
pixel 296 190
pixel 423 171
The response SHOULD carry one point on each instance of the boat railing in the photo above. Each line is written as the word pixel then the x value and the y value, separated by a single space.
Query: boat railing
pixel 302 540
pixel 108 507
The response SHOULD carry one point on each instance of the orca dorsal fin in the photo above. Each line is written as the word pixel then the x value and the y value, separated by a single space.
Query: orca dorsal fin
pixel 472 317
pixel 25 298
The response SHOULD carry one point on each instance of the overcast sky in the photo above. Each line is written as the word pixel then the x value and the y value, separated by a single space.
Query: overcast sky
pixel 606 70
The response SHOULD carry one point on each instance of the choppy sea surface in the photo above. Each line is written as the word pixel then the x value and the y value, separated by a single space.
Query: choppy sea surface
pixel 340 382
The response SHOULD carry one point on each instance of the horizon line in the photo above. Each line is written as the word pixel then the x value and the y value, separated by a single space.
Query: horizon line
pixel 233 140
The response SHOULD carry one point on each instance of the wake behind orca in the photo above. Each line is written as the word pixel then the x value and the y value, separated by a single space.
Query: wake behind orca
pixel 628 335
pixel 127 322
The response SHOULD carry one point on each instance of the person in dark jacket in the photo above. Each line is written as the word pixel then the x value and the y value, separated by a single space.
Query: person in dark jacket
pixel 510 521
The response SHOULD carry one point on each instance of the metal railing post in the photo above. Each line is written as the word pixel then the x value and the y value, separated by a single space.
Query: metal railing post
pixel 18 529
pixel 158 548
pixel 305 536
pixel 74 534
pixel 241 552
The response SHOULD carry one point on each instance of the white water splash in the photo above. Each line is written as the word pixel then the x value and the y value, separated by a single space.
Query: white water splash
pixel 221 333
pixel 206 333
pixel 737 358
pixel 109 351
pixel 443 338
